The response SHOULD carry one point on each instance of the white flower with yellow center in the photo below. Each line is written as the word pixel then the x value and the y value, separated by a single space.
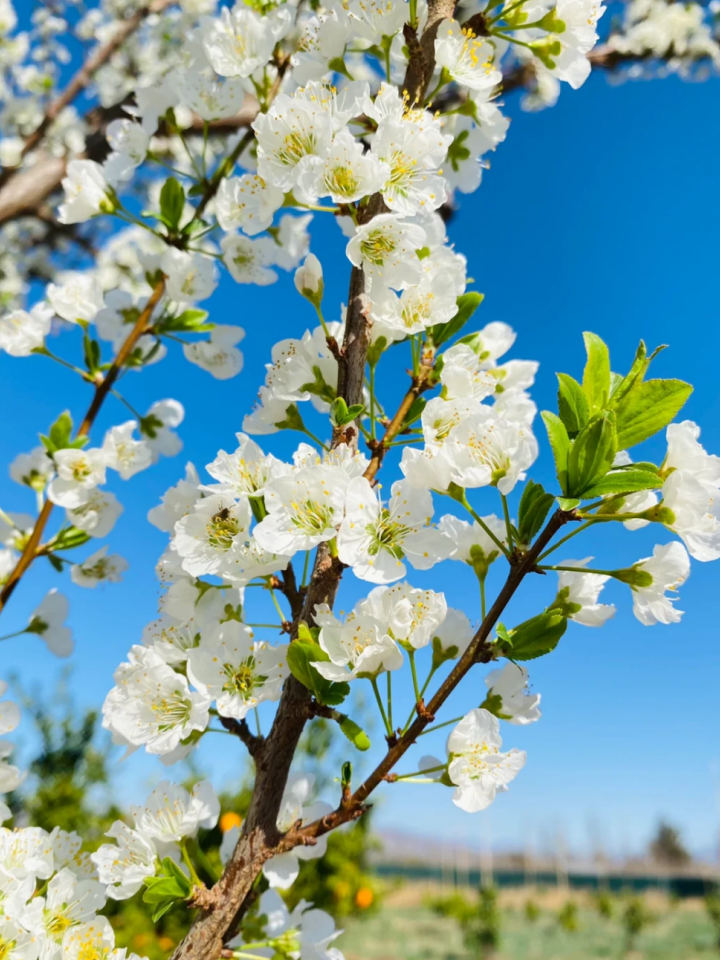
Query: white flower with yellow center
pixel 345 174
pixel 374 539
pixel 240 41
pixel 476 766
pixel 79 472
pixel 123 866
pixel 190 276
pixel 208 537
pixel 294 133
pixel 97 515
pixel 235 670
pixel 16 943
pixel 485 449
pixel 304 509
pixel 413 615
pixel 667 569
pixel 432 300
pixel 463 375
pixel 387 248
pixel 374 19
pixel 359 647
pixel 26 853
pixel 93 941
pixel 152 706
pixel 67 903
pixel 170 813
pixel 98 568
pixel 467 58
pixel 78 297
pixel 123 452
pixel 247 260
pixel 414 149
pixel 248 202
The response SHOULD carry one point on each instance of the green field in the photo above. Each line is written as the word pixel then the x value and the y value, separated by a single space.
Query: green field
pixel 414 932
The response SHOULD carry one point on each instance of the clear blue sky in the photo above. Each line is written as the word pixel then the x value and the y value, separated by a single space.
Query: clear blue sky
pixel 599 214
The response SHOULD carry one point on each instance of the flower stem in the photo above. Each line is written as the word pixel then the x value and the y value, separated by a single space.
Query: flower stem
pixel 420 773
pixel 602 573
pixel 389 699
pixel 508 525
pixel 568 536
pixel 439 726
pixel 388 728
pixel 17 633
pixel 189 864
pixel 277 605
pixel 479 520
pixel 482 597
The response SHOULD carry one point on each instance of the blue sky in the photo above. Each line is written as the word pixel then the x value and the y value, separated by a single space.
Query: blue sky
pixel 599 214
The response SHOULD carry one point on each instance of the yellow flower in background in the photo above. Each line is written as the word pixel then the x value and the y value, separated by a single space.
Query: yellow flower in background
pixel 230 820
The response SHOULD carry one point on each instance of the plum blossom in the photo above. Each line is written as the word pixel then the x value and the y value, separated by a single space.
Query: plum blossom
pixel 476 766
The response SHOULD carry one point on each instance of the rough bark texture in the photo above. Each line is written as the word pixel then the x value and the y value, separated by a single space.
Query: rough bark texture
pixel 422 60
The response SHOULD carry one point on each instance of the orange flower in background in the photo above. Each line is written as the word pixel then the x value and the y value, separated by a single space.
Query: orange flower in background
pixel 141 940
pixel 166 943
pixel 230 820
pixel 364 898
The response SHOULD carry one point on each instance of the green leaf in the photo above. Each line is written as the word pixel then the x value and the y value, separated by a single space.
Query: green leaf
pixel 68 539
pixel 376 350
pixel 560 443
pixel 567 504
pixel 534 507
pixel 572 404
pixel 301 655
pixel 467 304
pixel 341 414
pixel 623 481
pixel 537 636
pixel 319 386
pixel 355 734
pixel 596 376
pixel 59 434
pixel 172 203
pixel 592 454
pixel 292 421
pixel 192 320
pixel 648 408
pixel 91 351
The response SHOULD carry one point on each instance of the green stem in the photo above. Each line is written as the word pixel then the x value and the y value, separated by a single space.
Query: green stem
pixel 189 864
pixel 479 520
pixel 420 773
pixel 127 403
pixel 204 861
pixel 568 536
pixel 266 626
pixel 321 318
pixel 602 573
pixel 442 82
pixel 18 633
pixel 482 597
pixel 416 686
pixel 439 726
pixel 277 605
pixel 388 728
pixel 389 698
pixel 508 526
pixel 314 438
pixel 257 721
pixel 306 567
pixel 372 401
pixel 44 352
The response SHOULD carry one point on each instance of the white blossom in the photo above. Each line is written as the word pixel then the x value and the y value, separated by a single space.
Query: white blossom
pixel 97 515
pixel 176 502
pixel 86 193
pixel 248 202
pixel 209 535
pixel 387 248
pixel 359 647
pixel 151 705
pixel 476 766
pixel 78 297
pixel 122 867
pixel 669 568
pixel 511 699
pixel 98 568
pixel 374 539
pixel 170 813
pixel 190 276
pixel 247 260
pixel 235 670
pixel 79 472
pixel 578 594
pixel 219 355
pixel 47 621
pixel 23 331
pixel 122 452
pixel 304 510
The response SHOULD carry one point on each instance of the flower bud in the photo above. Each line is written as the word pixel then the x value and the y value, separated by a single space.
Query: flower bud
pixel 309 280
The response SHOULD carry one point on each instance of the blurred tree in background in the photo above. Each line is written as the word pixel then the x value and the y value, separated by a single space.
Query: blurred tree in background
pixel 667 846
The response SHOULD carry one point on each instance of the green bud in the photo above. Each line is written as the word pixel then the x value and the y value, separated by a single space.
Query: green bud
pixel 634 577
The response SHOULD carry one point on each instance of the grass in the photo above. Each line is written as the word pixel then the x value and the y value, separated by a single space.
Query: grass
pixel 403 930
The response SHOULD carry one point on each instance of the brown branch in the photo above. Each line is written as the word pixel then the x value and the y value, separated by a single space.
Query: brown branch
pixel 102 389
pixel 421 63
pixel 254 742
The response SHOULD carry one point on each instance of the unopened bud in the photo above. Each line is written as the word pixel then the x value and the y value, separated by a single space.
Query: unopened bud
pixel 634 577
pixel 309 280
